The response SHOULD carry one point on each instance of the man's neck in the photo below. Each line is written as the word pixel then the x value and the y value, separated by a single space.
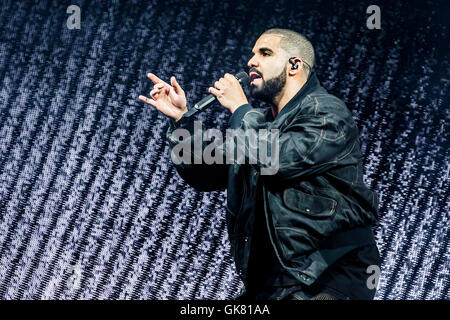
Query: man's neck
pixel 288 92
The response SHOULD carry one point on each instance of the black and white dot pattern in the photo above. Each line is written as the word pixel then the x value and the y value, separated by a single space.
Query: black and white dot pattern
pixel 90 203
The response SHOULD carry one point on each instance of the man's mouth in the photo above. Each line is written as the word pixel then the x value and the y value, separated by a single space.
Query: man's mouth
pixel 255 78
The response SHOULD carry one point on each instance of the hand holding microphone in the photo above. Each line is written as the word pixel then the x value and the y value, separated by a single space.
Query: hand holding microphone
pixel 229 92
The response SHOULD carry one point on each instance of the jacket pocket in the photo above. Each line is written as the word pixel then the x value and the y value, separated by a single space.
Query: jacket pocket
pixel 312 205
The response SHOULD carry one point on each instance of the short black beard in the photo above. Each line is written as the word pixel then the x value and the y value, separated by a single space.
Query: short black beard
pixel 270 89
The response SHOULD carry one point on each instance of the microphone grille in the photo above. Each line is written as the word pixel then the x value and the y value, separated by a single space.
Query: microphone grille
pixel 243 77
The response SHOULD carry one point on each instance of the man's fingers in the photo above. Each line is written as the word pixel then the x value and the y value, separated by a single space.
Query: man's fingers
pixel 153 93
pixel 214 91
pixel 164 108
pixel 159 84
pixel 175 85
pixel 225 81
pixel 158 106
pixel 158 88
pixel 148 100
pixel 154 78
pixel 230 77
pixel 219 85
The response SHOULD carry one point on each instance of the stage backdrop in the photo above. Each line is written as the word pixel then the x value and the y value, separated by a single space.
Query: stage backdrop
pixel 90 203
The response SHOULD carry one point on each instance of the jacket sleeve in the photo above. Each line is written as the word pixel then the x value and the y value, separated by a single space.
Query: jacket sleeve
pixel 309 144
pixel 186 147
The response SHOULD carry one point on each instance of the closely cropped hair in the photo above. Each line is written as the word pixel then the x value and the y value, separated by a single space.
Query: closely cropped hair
pixel 296 45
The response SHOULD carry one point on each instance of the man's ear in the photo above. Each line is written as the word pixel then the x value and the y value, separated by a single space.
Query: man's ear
pixel 296 65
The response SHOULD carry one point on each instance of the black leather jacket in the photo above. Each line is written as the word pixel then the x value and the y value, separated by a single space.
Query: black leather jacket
pixel 316 206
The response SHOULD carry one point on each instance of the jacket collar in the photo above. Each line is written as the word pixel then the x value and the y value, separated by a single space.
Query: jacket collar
pixel 311 85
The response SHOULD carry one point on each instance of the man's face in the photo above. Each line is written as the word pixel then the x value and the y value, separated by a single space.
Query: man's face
pixel 267 68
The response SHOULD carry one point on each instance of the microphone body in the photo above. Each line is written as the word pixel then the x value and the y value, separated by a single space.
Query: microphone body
pixel 205 102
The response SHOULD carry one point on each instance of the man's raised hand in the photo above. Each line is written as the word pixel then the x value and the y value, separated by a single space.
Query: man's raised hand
pixel 168 99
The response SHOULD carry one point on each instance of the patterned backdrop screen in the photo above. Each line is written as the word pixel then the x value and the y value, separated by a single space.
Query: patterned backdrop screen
pixel 91 206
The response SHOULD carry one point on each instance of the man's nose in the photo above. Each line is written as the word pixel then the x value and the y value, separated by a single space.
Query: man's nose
pixel 252 63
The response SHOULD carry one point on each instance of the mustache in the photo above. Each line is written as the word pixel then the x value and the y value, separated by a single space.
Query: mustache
pixel 256 71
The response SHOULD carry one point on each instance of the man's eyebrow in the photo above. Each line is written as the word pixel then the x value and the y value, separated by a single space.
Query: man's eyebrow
pixel 265 49
pixel 262 49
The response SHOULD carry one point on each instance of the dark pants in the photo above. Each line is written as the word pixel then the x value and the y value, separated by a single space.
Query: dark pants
pixel 346 279
pixel 297 292
pixel 293 293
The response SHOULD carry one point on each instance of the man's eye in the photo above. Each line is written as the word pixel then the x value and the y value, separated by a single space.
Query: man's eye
pixel 266 54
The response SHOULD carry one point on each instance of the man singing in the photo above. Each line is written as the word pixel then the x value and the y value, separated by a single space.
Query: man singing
pixel 305 231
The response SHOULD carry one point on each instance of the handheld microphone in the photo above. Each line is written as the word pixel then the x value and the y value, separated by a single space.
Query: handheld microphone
pixel 242 77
